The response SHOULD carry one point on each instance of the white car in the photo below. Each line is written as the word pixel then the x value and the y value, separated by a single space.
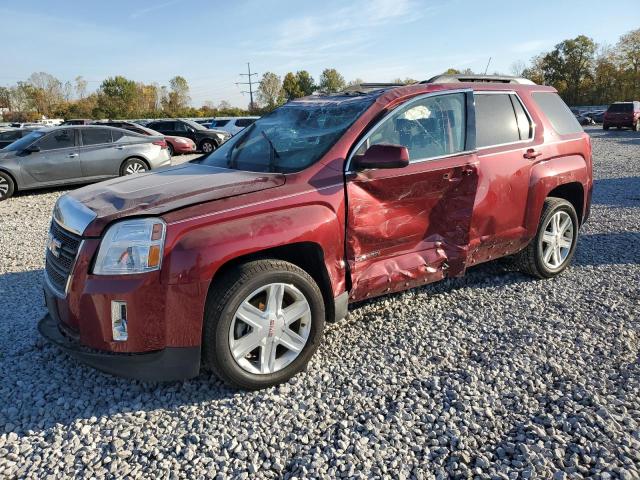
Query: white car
pixel 232 125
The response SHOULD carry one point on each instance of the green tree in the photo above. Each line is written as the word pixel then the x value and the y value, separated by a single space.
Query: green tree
pixel 306 82
pixel 628 48
pixel 116 97
pixel 569 66
pixel 177 98
pixel 331 81
pixel 270 94
pixel 291 87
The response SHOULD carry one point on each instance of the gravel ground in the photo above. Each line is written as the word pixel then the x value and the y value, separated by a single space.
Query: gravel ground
pixel 494 375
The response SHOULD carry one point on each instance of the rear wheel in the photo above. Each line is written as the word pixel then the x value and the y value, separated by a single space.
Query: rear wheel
pixel 7 186
pixel 551 250
pixel 132 166
pixel 207 146
pixel 263 322
pixel 170 149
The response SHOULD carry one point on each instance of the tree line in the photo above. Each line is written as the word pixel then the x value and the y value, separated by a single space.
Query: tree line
pixel 583 72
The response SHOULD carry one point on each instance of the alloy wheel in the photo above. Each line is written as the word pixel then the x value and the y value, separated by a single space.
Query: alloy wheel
pixel 207 147
pixel 135 167
pixel 557 240
pixel 270 328
pixel 4 187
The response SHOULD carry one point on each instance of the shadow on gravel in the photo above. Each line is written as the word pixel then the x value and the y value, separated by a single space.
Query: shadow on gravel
pixel 619 248
pixel 623 192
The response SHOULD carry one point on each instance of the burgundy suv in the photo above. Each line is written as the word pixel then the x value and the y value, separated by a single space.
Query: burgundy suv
pixel 622 114
pixel 235 262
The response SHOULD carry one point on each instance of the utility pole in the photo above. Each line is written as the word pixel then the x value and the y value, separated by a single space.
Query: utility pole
pixel 487 67
pixel 248 82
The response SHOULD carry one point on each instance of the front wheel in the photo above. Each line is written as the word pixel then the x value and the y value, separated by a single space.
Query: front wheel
pixel 551 250
pixel 207 146
pixel 7 186
pixel 263 322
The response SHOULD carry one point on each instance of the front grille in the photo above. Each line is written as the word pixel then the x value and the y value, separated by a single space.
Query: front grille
pixel 59 268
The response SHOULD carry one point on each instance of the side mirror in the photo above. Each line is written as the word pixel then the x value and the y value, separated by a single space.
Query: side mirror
pixel 32 149
pixel 383 156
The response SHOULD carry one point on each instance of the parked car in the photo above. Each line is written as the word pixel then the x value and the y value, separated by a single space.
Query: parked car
pixel 68 155
pixel 174 144
pixel 597 115
pixel 206 140
pixel 236 261
pixel 585 119
pixel 202 121
pixel 9 136
pixel 232 125
pixel 622 114
pixel 77 121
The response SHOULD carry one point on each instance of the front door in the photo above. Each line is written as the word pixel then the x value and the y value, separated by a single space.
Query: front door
pixel 410 226
pixel 56 161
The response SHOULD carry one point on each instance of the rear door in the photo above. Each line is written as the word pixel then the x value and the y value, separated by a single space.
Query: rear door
pixel 504 133
pixel 98 156
pixel 410 226
pixel 57 160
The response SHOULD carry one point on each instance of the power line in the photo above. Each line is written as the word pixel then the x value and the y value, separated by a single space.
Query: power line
pixel 248 82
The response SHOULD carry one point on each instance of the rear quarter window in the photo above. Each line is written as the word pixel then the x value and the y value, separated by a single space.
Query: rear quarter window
pixel 557 112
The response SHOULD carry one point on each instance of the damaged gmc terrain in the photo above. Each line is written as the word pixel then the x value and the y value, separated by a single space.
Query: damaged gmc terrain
pixel 235 261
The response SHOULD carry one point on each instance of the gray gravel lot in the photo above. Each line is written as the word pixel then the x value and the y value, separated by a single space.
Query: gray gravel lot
pixel 494 375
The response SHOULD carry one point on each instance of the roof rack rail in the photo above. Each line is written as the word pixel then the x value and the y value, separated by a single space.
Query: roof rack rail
pixel 445 78
pixel 369 87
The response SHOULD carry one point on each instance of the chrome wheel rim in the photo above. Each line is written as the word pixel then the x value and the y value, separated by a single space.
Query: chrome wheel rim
pixel 135 168
pixel 557 240
pixel 4 187
pixel 207 147
pixel 270 328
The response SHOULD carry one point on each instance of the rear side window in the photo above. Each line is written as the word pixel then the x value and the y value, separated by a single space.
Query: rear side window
pixel 496 122
pixel 162 126
pixel 95 136
pixel 559 115
pixel 621 108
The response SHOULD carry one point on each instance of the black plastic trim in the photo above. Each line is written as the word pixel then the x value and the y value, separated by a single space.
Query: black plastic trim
pixel 170 364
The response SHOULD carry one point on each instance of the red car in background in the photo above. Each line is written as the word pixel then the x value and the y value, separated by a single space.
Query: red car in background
pixel 622 114
pixel 175 144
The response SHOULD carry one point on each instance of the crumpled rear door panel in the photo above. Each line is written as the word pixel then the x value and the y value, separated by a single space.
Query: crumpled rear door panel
pixel 409 226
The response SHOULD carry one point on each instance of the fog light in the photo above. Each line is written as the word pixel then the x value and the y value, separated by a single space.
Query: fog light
pixel 119 321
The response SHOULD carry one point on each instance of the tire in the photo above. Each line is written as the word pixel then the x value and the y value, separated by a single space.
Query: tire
pixel 132 166
pixel 7 186
pixel 532 259
pixel 223 327
pixel 207 146
pixel 637 126
pixel 170 149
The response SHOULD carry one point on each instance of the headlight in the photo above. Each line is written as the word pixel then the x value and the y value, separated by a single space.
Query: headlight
pixel 131 246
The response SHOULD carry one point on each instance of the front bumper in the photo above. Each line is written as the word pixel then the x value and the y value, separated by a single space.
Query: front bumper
pixel 169 364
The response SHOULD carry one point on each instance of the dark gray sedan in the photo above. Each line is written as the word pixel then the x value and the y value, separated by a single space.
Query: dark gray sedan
pixel 77 154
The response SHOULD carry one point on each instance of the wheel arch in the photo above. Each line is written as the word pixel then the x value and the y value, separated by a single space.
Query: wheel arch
pixel 308 256
pixel 573 193
pixel 13 178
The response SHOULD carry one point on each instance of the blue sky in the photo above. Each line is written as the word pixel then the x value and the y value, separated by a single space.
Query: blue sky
pixel 209 42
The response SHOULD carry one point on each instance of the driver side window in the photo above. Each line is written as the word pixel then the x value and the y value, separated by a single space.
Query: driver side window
pixel 57 139
pixel 430 127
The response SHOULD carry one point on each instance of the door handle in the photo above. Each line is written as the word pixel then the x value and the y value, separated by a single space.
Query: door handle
pixel 531 154
pixel 119 147
pixel 72 155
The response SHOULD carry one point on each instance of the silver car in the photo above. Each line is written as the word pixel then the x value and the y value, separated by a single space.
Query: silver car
pixel 77 154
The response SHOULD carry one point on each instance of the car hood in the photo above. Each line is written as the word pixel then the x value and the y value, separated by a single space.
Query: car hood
pixel 155 193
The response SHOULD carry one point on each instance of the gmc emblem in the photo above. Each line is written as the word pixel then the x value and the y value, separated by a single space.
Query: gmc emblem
pixel 53 245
